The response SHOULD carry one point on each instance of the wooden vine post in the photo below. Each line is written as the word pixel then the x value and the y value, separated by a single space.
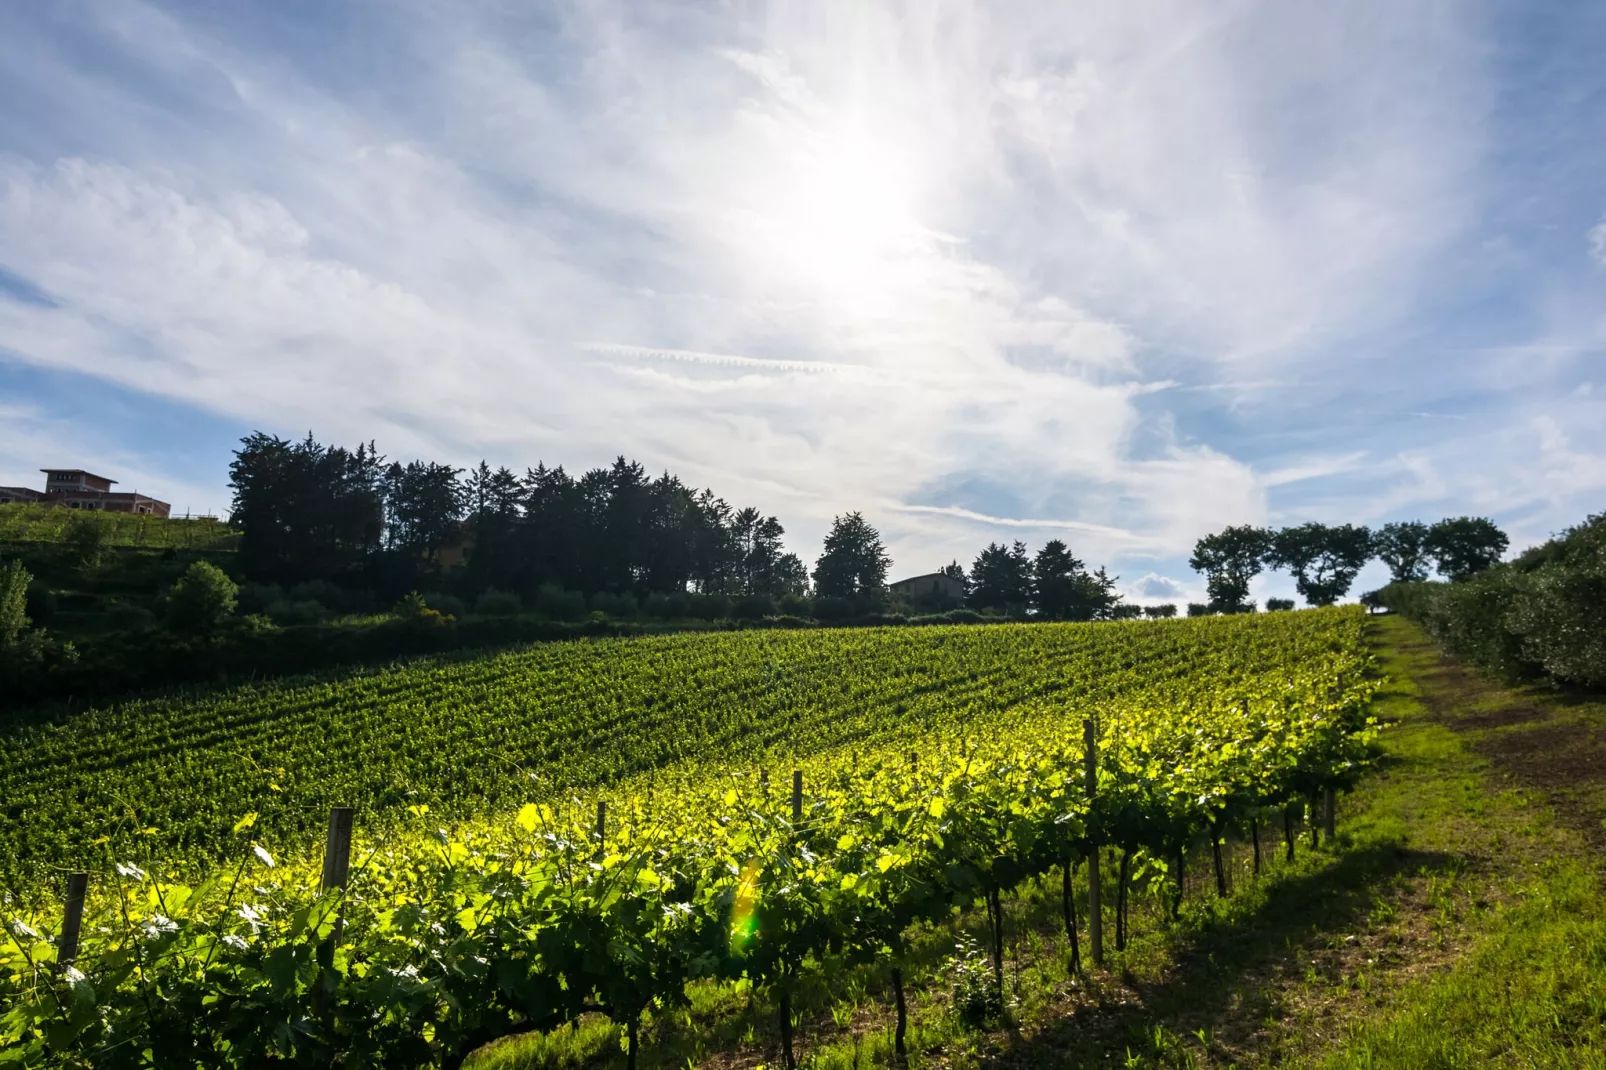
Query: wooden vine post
pixel 786 981
pixel 1095 912
pixel 72 923
pixel 336 870
pixel 1329 804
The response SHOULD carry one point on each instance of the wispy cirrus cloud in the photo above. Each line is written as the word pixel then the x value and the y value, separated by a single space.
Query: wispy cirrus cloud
pixel 1144 271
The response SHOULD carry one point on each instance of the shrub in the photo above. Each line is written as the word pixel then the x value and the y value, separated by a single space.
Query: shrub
pixel 127 619
pixel 1163 612
pixel 14 581
pixel 286 612
pixel 793 605
pixel 324 593
pixel 753 607
pixel 555 603
pixel 620 606
pixel 41 603
pixel 978 999
pixel 1126 611
pixel 448 605
pixel 494 603
pixel 708 606
pixel 1196 609
pixel 1279 605
pixel 202 599
pixel 412 605
pixel 259 597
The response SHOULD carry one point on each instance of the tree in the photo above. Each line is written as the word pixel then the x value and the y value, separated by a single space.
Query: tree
pixel 86 535
pixel 1403 548
pixel 1230 559
pixel 1323 559
pixel 1463 547
pixel 14 580
pixel 1001 578
pixel 1058 583
pixel 955 571
pixel 201 600
pixel 1165 612
pixel 854 562
pixel 791 576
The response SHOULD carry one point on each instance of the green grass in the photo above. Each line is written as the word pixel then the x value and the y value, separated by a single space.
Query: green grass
pixel 1455 922
pixel 25 522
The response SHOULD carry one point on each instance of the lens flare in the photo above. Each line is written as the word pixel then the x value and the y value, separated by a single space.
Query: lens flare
pixel 744 913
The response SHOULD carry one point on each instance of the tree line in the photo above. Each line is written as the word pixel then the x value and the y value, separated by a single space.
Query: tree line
pixel 314 514
pixel 1324 559
pixel 309 512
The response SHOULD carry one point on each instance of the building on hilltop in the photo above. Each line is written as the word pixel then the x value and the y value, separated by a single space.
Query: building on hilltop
pixel 74 488
pixel 932 588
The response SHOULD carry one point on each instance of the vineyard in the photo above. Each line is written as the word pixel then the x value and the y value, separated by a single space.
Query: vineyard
pixel 22 522
pixel 594 826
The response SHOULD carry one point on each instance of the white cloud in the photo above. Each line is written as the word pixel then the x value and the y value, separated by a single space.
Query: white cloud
pixel 1597 241
pixel 1156 586
pixel 818 257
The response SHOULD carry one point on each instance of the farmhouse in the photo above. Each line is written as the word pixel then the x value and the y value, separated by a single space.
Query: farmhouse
pixel 74 488
pixel 932 586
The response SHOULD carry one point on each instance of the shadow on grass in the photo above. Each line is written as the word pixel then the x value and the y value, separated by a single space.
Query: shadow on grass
pixel 1222 968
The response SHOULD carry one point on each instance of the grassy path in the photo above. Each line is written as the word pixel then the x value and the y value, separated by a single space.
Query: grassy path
pixel 1457 921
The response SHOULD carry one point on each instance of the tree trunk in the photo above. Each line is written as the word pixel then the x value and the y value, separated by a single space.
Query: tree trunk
pixel 786 1029
pixel 1182 873
pixel 903 1015
pixel 996 910
pixel 1068 902
pixel 1120 900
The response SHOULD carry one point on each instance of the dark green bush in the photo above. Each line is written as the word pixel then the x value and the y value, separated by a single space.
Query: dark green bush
pixel 1543 614
pixel 494 603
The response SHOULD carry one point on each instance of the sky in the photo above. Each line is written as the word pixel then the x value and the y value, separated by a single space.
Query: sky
pixel 1116 273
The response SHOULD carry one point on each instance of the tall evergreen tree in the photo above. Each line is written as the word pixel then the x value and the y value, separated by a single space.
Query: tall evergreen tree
pixel 1001 578
pixel 854 561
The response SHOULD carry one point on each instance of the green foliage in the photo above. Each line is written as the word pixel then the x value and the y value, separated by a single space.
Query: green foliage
pixel 1229 559
pixel 1161 612
pixel 37 523
pixel 86 537
pixel 494 603
pixel 977 999
pixel 202 599
pixel 1274 605
pixel 1544 614
pixel 1001 579
pixel 1324 559
pixel 1403 547
pixel 853 562
pixel 14 581
pixel 1199 609
pixel 917 799
pixel 1465 546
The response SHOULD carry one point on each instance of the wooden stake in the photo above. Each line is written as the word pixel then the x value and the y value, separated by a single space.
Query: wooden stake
pixel 1095 912
pixel 1068 903
pixel 797 796
pixel 602 825
pixel 903 1015
pixel 1329 804
pixel 336 869
pixel 72 924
